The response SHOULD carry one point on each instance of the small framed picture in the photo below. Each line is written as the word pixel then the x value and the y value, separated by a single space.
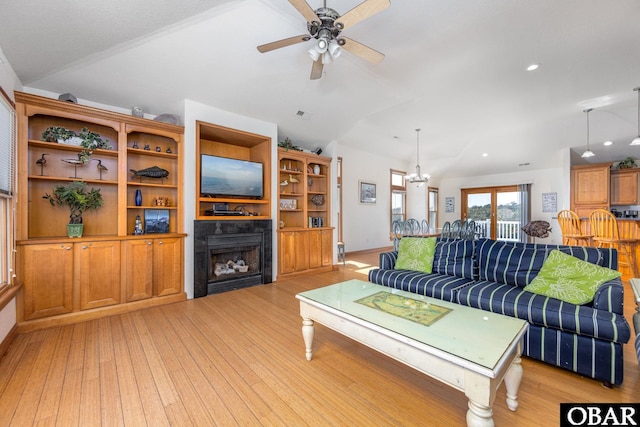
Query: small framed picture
pixel 449 204
pixel 367 192
pixel 156 221
pixel 288 204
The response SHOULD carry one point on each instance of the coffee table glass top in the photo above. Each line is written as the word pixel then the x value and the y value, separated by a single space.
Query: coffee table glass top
pixel 480 336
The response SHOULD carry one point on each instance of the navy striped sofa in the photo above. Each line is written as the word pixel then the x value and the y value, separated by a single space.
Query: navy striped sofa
pixel 491 275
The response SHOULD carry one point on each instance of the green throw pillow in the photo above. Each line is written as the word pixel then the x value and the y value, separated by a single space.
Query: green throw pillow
pixel 569 279
pixel 416 253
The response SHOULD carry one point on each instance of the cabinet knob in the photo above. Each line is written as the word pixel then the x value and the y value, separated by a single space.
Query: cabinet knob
pixel 84 246
pixel 68 248
pixel 148 243
pixel 160 242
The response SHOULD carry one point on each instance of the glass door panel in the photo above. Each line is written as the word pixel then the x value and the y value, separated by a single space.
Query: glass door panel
pixel 509 210
pixel 479 209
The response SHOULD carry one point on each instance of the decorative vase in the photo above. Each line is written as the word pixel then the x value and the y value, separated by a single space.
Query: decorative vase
pixel 316 169
pixel 138 197
pixel 75 230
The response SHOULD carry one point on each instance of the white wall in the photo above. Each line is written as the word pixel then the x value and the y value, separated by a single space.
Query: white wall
pixel 542 180
pixel 196 111
pixel 8 82
pixel 366 226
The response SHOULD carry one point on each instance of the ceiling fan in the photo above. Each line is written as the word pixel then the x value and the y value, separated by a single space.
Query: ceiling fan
pixel 325 25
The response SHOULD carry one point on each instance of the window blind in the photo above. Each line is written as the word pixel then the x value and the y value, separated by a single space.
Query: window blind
pixel 7 138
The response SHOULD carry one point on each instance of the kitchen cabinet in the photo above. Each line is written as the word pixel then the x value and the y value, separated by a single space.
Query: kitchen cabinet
pixel 590 185
pixel 624 187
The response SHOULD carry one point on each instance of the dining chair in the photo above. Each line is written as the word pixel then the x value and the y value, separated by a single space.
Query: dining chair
pixel 571 230
pixel 604 227
pixel 445 233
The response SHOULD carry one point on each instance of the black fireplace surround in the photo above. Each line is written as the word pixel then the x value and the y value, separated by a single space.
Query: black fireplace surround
pixel 213 240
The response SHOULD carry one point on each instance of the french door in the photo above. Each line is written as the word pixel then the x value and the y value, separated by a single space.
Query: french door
pixel 495 210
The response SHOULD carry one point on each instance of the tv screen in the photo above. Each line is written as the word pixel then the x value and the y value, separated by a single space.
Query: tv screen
pixel 221 176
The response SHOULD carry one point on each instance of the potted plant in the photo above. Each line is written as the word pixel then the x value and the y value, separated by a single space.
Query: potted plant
pixel 61 135
pixel 78 200
pixel 92 140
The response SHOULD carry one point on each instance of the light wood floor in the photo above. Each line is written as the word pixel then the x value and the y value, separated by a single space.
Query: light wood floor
pixel 238 359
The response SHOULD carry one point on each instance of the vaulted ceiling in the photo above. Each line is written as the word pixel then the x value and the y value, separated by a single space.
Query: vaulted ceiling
pixel 454 68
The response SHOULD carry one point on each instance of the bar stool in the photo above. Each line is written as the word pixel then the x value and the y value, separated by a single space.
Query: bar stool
pixel 341 255
pixel 604 227
pixel 571 231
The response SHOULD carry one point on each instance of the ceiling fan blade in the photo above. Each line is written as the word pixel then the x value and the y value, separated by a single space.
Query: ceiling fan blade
pixel 361 12
pixel 305 10
pixel 316 69
pixel 283 43
pixel 364 52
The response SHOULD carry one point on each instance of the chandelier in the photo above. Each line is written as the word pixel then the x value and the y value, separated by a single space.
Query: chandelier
pixel 418 177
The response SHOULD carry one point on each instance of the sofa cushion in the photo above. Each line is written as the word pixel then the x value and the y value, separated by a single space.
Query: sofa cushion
pixel 454 257
pixel 514 301
pixel 569 279
pixel 518 263
pixel 416 253
pixel 432 285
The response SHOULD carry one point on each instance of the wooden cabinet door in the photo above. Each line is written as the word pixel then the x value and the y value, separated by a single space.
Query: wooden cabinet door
pixel 287 252
pixel 327 247
pixel 315 248
pixel 590 185
pixel 320 248
pixel 137 269
pixel 624 188
pixel 167 266
pixel 302 251
pixel 97 273
pixel 47 277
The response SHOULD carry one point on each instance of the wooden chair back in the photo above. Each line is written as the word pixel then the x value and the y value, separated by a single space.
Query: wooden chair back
pixel 604 225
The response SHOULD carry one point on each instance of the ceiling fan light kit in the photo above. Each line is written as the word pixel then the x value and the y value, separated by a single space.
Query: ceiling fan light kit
pixel 325 24
pixel 636 140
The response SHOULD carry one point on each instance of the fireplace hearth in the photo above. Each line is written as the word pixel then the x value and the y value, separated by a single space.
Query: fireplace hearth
pixel 231 255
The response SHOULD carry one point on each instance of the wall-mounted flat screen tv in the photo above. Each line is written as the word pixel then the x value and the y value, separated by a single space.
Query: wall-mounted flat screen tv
pixel 224 177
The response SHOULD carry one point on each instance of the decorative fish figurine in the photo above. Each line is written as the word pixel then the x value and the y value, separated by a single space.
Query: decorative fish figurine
pixel 152 172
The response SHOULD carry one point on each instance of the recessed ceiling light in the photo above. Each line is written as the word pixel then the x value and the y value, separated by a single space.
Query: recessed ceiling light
pixel 607 143
pixel 533 67
pixel 485 154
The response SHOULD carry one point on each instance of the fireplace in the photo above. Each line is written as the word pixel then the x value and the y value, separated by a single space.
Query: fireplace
pixel 230 255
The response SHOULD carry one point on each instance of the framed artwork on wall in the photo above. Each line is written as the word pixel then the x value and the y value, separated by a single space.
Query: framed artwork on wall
pixel 449 204
pixel 367 192
pixel 156 221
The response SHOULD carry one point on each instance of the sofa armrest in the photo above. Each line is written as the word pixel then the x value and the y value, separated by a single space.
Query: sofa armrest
pixel 388 260
pixel 610 297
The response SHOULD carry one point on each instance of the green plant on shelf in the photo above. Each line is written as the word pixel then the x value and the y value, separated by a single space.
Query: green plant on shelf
pixel 93 140
pixel 76 198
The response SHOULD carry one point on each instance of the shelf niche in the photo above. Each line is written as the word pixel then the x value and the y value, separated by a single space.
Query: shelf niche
pixel 221 141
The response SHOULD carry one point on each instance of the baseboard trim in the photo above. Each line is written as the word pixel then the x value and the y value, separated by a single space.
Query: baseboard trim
pixel 371 251
pixel 97 313
pixel 6 342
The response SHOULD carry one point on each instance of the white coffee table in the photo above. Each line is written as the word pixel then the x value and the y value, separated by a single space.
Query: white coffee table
pixel 468 349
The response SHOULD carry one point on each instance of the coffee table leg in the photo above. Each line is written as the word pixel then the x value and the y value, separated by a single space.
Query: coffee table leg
pixel 307 335
pixel 512 380
pixel 479 415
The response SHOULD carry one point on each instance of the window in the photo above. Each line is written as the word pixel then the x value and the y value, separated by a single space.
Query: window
pixel 432 209
pixel 398 197
pixel 7 178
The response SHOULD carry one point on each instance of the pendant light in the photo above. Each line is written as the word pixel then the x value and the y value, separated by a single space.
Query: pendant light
pixel 418 177
pixel 587 153
pixel 636 140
